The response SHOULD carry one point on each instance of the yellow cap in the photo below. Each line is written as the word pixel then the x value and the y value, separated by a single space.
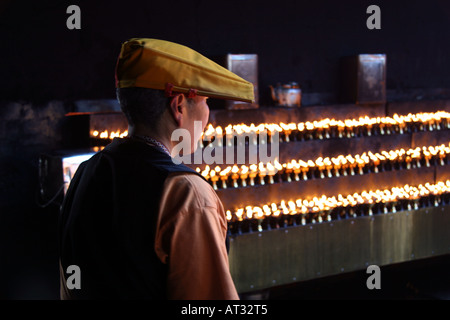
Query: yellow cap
pixel 164 65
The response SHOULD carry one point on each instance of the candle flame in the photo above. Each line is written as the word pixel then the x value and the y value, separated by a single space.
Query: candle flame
pixel 316 204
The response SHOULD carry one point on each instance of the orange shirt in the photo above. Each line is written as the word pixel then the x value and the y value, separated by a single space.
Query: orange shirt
pixel 190 238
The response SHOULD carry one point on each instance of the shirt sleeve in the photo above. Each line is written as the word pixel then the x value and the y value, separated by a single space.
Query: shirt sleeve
pixel 190 238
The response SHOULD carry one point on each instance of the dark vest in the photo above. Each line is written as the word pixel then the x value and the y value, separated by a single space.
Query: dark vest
pixel 108 219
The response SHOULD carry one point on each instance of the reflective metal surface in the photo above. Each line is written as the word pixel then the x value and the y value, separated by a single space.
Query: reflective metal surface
pixel 363 79
pixel 264 259
pixel 245 66
pixel 287 95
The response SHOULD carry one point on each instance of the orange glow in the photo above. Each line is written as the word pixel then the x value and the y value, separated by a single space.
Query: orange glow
pixel 330 166
pixel 109 135
pixel 426 120
pixel 324 203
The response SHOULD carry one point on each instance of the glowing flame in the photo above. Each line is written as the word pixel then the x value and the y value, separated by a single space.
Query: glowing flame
pixel 336 163
pixel 109 135
pixel 318 204
pixel 431 119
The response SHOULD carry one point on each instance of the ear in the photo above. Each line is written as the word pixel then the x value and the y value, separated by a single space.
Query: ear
pixel 176 108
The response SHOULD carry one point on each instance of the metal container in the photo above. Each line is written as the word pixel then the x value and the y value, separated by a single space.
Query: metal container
pixel 287 95
pixel 363 79
pixel 245 66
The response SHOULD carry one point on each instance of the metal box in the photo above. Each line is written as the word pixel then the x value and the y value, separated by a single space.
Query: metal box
pixel 363 79
pixel 245 66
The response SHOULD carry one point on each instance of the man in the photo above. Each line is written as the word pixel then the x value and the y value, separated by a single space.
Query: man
pixel 135 223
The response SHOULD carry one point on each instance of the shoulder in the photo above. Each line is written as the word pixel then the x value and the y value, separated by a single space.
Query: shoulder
pixel 193 187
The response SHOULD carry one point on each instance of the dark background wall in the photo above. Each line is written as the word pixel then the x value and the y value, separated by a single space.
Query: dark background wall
pixel 295 40
pixel 45 68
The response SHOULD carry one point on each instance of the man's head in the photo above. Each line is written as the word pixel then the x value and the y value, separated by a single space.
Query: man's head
pixel 163 86
pixel 151 111
pixel 142 106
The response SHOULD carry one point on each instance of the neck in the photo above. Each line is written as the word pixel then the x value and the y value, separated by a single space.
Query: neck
pixel 144 132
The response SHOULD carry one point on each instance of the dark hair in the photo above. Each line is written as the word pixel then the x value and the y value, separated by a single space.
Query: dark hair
pixel 142 105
